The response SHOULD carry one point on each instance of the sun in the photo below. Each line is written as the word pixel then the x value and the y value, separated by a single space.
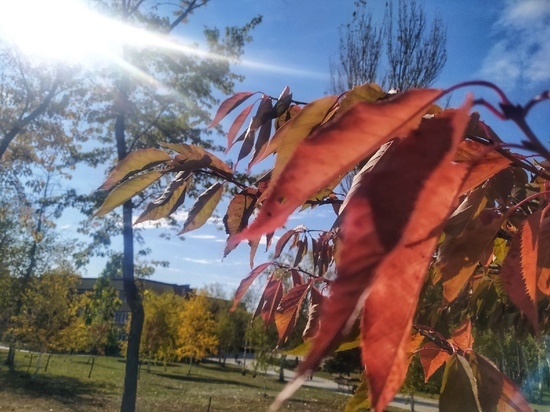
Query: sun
pixel 59 29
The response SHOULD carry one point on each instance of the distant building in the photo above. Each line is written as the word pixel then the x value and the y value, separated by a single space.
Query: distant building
pixel 122 315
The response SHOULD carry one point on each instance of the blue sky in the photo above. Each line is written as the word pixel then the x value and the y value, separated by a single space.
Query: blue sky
pixel 507 42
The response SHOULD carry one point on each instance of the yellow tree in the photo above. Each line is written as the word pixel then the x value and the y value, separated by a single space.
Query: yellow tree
pixel 196 336
pixel 49 309
pixel 160 328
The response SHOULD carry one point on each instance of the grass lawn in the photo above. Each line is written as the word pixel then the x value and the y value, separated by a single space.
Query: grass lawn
pixel 66 387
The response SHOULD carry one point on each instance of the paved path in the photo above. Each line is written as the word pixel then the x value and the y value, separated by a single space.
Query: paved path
pixel 400 401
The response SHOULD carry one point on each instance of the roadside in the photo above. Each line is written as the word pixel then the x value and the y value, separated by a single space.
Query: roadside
pixel 400 401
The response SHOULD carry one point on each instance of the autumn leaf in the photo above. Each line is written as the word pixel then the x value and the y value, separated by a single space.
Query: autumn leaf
pixel 519 269
pixel 469 209
pixel 127 189
pixel 167 203
pixel 543 260
pixel 360 400
pixel 459 390
pixel 228 105
pixel 236 126
pixel 286 314
pixel 459 256
pixel 388 240
pixel 486 163
pixel 462 335
pixel 203 208
pixel 134 163
pixel 283 240
pixel 368 92
pixel 297 129
pixel 238 212
pixel 314 311
pixel 193 157
pixel 432 357
pixel 354 136
pixel 273 293
pixel 496 391
pixel 246 282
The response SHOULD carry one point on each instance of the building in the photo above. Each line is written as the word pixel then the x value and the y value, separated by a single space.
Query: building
pixel 122 315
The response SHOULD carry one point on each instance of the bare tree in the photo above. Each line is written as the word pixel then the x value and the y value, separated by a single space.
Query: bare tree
pixel 403 52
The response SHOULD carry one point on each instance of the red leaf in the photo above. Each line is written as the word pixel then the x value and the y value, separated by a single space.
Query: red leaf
pixel 270 300
pixel 203 208
pixel 519 269
pixel 495 390
pixel 286 314
pixel 462 335
pixel 432 357
pixel 236 126
pixel 296 277
pixel 246 282
pixel 389 240
pixel 355 135
pixel 228 105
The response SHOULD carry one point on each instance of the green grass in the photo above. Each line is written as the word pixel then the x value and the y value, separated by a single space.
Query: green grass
pixel 66 387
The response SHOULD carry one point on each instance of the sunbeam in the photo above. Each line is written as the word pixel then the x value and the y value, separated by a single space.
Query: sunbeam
pixel 69 31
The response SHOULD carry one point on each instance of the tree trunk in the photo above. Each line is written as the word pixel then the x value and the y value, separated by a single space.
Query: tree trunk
pixel 30 363
pixel 91 367
pixel 37 365
pixel 47 363
pixel 133 298
pixel 190 365
pixel 282 368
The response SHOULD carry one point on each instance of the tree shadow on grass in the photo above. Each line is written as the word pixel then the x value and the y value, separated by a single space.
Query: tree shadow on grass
pixel 65 389
pixel 203 379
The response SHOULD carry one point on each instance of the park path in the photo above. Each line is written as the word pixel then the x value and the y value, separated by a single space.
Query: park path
pixel 400 401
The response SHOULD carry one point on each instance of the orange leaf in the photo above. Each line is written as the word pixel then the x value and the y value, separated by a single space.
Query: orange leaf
pixel 519 269
pixel 355 135
pixel 432 357
pixel 388 240
pixel 246 282
pixel 286 314
pixel 486 163
pixel 462 335
pixel 495 390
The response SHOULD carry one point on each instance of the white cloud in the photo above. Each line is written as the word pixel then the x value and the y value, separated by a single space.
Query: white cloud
pixel 205 237
pixel 521 55
pixel 200 261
